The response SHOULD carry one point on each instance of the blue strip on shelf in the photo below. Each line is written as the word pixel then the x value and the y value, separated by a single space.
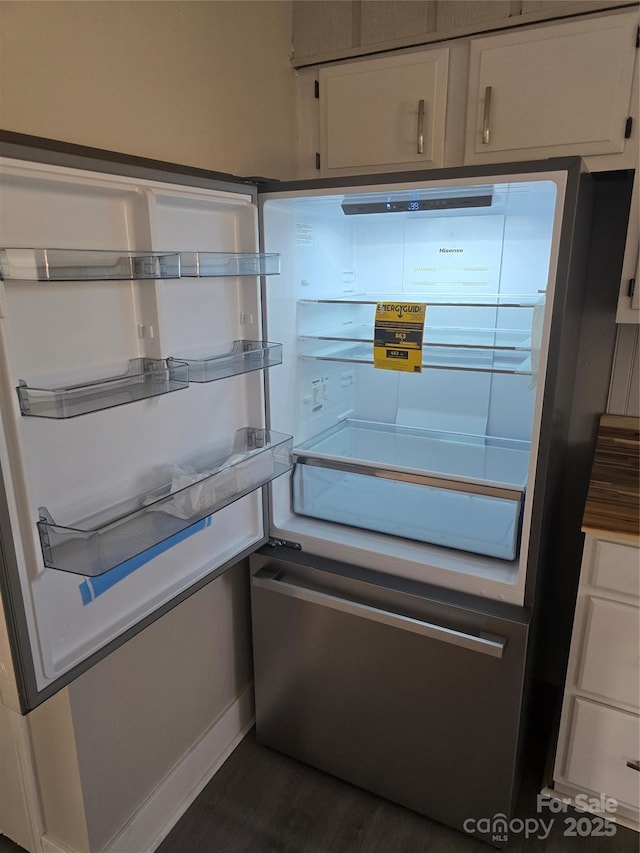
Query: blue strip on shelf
pixel 91 588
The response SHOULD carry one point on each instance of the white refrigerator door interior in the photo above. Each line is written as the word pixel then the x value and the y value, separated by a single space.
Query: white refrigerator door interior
pixel 420 474
pixel 89 471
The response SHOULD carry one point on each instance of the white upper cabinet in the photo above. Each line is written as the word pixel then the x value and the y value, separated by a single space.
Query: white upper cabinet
pixel 384 114
pixel 554 90
pixel 629 302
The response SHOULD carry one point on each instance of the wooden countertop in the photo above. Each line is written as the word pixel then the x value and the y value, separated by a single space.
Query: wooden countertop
pixel 613 505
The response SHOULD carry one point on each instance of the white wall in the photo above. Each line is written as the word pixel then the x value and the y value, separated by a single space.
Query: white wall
pixel 206 84
pixel 111 739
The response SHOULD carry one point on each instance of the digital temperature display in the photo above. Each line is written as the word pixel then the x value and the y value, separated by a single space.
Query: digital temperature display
pixel 403 206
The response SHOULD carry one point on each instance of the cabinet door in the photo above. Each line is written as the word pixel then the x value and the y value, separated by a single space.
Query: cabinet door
pixel 383 114
pixel 603 752
pixel 561 89
pixel 629 301
pixel 610 655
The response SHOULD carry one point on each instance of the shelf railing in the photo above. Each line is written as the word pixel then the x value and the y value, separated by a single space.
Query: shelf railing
pixel 443 300
pixel 95 545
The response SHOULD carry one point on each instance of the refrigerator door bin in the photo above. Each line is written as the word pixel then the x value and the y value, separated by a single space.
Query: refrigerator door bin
pixel 87 265
pixel 244 357
pixel 210 264
pixel 103 541
pixel 459 491
pixel 144 378
pixel 395 686
pixel 125 265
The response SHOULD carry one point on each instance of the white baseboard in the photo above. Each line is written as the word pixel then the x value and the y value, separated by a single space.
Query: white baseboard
pixel 50 845
pixel 152 822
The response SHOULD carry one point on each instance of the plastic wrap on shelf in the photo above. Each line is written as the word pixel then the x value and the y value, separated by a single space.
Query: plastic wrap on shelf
pixel 103 541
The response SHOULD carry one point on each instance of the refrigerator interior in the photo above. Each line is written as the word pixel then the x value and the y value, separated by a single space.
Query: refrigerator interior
pixel 421 474
pixel 130 474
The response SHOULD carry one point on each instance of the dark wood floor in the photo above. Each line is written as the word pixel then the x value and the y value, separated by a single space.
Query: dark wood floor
pixel 264 802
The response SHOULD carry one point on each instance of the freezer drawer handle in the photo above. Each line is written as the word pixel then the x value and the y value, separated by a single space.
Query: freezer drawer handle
pixel 421 126
pixel 487 644
pixel 634 765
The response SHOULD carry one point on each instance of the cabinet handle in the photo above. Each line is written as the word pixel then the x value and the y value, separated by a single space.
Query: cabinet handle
pixel 421 126
pixel 486 119
pixel 634 765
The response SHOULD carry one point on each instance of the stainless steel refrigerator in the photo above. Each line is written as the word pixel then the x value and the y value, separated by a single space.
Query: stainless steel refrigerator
pixel 389 392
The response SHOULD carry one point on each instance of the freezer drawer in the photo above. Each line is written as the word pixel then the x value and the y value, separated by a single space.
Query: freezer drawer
pixel 408 691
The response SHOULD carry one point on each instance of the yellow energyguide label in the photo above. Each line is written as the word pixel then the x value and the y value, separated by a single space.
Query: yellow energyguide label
pixel 397 336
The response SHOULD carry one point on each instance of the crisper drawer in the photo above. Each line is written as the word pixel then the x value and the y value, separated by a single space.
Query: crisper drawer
pixel 405 505
pixel 604 748
pixel 405 690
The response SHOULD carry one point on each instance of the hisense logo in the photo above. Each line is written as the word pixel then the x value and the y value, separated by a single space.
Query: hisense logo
pixel 451 251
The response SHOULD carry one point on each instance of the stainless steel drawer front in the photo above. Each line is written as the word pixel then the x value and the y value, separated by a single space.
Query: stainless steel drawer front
pixel 486 644
pixel 408 691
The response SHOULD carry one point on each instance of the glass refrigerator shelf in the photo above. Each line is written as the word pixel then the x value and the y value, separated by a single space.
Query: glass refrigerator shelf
pixel 449 300
pixel 490 360
pixel 474 338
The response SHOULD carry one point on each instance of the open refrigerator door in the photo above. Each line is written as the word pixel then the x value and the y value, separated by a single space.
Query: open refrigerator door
pixel 134 445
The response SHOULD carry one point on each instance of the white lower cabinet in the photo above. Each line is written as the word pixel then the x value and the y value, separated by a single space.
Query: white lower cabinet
pixel 610 625
pixel 598 749
pixel 603 742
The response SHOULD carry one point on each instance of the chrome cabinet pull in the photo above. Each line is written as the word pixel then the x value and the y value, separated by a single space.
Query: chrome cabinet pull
pixel 486 120
pixel 421 126
pixel 487 644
